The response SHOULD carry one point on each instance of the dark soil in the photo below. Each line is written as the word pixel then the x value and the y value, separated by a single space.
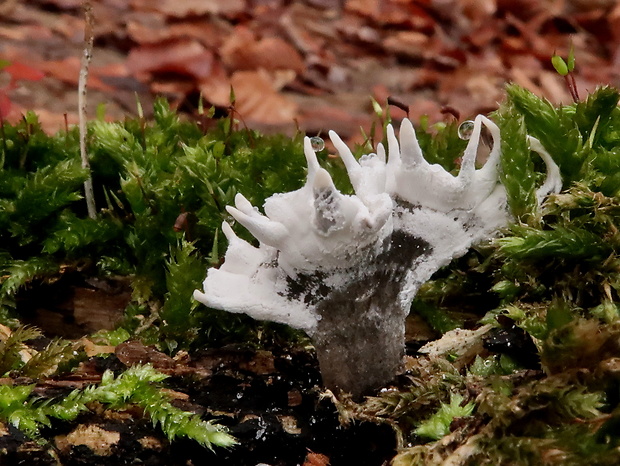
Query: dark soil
pixel 271 404
pixel 271 399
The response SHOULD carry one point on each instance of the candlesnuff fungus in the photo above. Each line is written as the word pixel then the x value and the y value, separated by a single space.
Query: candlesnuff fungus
pixel 345 268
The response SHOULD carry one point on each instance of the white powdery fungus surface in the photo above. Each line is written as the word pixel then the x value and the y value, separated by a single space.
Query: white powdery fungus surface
pixel 346 268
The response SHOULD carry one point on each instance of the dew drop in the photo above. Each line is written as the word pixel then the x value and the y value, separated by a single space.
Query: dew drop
pixel 317 144
pixel 465 129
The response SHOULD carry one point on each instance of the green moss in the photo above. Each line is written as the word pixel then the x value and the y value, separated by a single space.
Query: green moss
pixel 162 187
pixel 438 424
pixel 135 386
pixel 554 274
pixel 158 185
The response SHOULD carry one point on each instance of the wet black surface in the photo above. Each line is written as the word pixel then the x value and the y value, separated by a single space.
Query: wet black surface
pixel 513 341
pixel 261 402
pixel 275 411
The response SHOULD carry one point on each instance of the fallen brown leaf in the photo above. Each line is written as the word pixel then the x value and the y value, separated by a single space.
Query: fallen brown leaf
pixel 68 71
pixel 243 52
pixel 182 9
pixel 316 459
pixel 186 57
pixel 258 101
pixel 207 33
pixel 215 88
pixel 134 352
pixel 25 32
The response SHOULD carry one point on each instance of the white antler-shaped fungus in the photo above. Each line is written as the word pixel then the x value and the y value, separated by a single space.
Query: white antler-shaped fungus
pixel 346 268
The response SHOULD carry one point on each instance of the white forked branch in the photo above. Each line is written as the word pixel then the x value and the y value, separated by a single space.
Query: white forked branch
pixel 339 265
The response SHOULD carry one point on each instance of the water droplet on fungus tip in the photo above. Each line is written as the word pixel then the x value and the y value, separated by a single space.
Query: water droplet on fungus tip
pixel 317 144
pixel 465 129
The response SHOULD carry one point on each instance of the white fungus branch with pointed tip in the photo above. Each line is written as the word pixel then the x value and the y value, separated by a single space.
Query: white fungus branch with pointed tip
pixel 345 268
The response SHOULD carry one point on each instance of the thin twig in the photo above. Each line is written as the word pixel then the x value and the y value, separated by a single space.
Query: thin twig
pixel 88 50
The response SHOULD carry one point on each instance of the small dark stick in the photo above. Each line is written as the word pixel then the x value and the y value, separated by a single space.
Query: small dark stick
pixel 183 223
pixel 448 110
pixel 398 104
